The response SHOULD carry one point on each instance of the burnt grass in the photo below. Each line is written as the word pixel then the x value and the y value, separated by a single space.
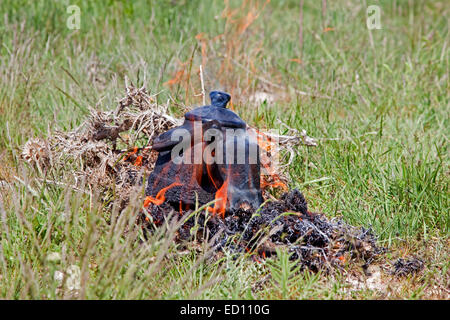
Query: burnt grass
pixel 403 267
pixel 316 242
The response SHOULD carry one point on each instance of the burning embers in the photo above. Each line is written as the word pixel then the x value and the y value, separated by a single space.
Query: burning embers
pixel 213 156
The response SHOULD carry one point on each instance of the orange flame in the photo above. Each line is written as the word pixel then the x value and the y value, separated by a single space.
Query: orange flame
pixel 138 161
pixel 160 196
pixel 221 200
pixel 134 151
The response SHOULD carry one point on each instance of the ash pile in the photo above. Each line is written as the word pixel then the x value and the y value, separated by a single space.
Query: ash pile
pixel 316 242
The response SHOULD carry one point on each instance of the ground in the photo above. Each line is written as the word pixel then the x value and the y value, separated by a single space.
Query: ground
pixel 376 100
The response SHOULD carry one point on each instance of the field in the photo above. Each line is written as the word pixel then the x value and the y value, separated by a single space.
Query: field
pixel 377 101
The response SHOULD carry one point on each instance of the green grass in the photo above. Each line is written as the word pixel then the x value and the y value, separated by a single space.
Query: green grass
pixel 378 101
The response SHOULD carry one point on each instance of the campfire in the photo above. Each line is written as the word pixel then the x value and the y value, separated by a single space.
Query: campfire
pixel 214 159
pixel 211 172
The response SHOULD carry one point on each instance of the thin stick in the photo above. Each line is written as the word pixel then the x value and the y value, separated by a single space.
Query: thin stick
pixel 203 85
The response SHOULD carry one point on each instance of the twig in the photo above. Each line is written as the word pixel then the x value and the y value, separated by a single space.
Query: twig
pixel 203 85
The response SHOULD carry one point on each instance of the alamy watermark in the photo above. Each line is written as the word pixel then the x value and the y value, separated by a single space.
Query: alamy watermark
pixel 74 20
pixel 373 17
